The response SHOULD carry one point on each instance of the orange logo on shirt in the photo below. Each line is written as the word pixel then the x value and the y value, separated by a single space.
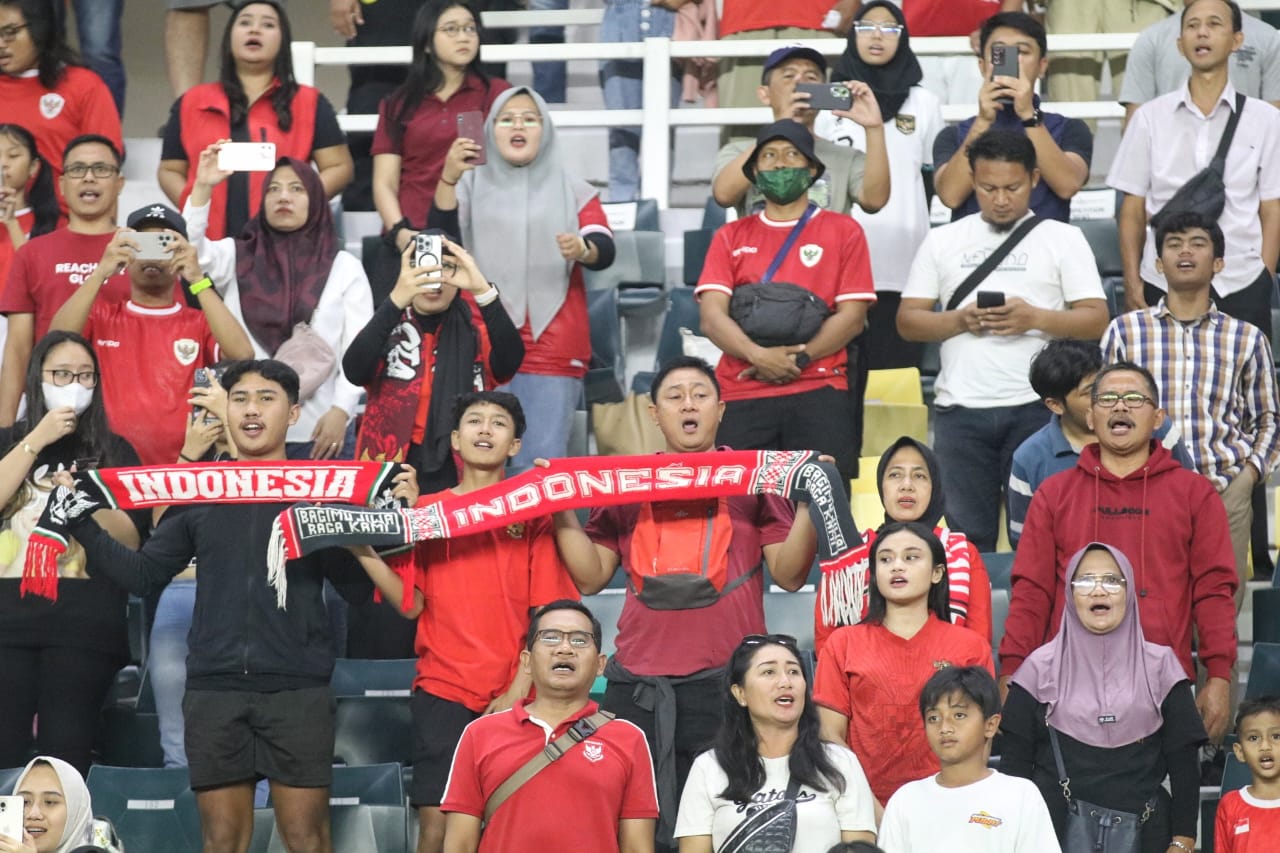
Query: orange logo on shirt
pixel 984 819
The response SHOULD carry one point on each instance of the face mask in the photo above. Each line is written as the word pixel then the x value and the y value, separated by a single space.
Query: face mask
pixel 783 186
pixel 74 395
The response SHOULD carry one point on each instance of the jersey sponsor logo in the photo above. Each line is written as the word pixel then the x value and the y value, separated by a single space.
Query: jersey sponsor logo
pixel 51 104
pixel 185 351
pixel 990 821
pixel 906 124
pixel 593 750
pixel 1242 826
pixel 810 254
pixel 154 487
pixel 744 250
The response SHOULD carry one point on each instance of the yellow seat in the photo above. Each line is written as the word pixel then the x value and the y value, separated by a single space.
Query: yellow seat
pixel 865 482
pixel 896 385
pixel 868 511
pixel 894 406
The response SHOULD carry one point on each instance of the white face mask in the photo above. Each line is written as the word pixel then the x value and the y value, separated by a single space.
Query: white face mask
pixel 74 395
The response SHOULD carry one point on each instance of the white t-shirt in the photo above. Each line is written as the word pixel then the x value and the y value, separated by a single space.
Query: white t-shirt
pixel 999 814
pixel 1050 268
pixel 894 232
pixel 820 815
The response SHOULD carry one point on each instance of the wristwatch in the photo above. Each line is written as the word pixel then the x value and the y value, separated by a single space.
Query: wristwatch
pixel 802 360
pixel 1034 121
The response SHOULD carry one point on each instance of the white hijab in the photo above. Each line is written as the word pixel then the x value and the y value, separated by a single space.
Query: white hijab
pixel 79 810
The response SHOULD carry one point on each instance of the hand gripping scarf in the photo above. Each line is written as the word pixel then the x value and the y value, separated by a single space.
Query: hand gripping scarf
pixel 586 482
pixel 202 483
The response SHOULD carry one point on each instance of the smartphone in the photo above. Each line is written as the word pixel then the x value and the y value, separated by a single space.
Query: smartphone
pixel 990 299
pixel 153 245
pixel 11 817
pixel 471 126
pixel 247 156
pixel 1004 63
pixel 203 378
pixel 827 96
pixel 428 251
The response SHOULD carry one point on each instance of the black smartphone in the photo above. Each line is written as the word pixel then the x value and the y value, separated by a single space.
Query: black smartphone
pixel 827 96
pixel 990 299
pixel 1004 63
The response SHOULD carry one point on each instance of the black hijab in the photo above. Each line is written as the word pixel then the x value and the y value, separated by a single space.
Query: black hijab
pixel 937 501
pixel 890 82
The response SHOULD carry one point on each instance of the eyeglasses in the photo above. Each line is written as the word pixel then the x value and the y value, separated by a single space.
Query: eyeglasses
pixel 455 30
pixel 87 378
pixel 1109 583
pixel 886 30
pixel 522 120
pixel 8 34
pixel 577 639
pixel 772 639
pixel 100 170
pixel 1131 400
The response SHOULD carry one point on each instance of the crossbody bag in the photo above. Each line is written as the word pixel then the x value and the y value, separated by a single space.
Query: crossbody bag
pixel 576 734
pixel 988 266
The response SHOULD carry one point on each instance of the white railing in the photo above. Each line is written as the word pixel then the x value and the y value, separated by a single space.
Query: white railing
pixel 656 118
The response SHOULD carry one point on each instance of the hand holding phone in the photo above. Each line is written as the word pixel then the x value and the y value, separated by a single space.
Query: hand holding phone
pixel 247 156
pixel 471 126
pixel 827 96
pixel 428 251
pixel 11 817
pixel 1004 63
pixel 990 299
pixel 153 245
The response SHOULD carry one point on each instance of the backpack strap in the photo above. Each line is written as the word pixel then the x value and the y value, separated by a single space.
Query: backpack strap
pixel 790 241
pixel 993 260
pixel 576 734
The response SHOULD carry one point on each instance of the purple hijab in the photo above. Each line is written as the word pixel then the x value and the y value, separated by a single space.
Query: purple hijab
pixel 1102 689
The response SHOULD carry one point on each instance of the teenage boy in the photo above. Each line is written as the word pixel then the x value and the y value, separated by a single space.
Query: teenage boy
pixel 472 598
pixel 1248 820
pixel 969 807
pixel 610 774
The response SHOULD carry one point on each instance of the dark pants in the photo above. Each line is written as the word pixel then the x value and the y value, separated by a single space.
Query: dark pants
pixel 884 347
pixel 975 448
pixel 821 420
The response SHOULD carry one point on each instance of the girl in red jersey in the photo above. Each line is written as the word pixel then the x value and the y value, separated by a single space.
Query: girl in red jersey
pixel 870 674
pixel 28 204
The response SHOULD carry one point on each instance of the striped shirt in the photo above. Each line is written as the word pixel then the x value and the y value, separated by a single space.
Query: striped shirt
pixel 1217 382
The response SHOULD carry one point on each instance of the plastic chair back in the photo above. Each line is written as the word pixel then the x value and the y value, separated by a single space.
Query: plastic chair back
pixel 152 808
pixel 372 730
pixel 353 677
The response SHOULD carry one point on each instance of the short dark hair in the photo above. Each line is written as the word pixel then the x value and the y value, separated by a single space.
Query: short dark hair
pixel 1061 364
pixel 269 369
pixel 855 847
pixel 973 682
pixel 92 139
pixel 1129 367
pixel 939 593
pixel 682 362
pixel 1186 220
pixel 1020 21
pixel 1253 707
pixel 501 399
pixel 1237 19
pixel 1003 146
pixel 597 633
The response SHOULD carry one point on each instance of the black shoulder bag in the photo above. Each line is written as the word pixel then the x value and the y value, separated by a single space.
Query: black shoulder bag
pixel 1206 191
pixel 993 260
pixel 1093 828
pixel 777 313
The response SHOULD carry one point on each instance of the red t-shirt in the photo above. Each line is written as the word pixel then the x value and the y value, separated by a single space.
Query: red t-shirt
pixel 47 270
pixel 744 15
pixel 946 17
pixel 873 677
pixel 829 258
pixel 575 803
pixel 680 642
pixel 426 140
pixel 479 591
pixel 162 345
pixel 564 348
pixel 1246 826
pixel 26 221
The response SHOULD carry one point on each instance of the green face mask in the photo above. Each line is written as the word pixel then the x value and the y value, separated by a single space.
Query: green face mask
pixel 783 186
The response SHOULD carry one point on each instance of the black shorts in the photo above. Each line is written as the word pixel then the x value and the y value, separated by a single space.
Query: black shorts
pixel 437 728
pixel 241 736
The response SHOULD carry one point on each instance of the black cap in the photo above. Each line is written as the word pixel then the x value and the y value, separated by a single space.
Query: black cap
pixel 782 54
pixel 792 131
pixel 157 214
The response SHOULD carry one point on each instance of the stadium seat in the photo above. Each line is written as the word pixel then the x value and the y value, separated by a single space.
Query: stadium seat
pixel 151 808
pixel 1264 671
pixel 373 677
pixel 1266 615
pixel 696 245
pixel 682 312
pixel 791 613
pixel 366 785
pixel 357 828
pixel 640 215
pixel 999 568
pixel 607 607
pixel 999 613
pixel 864 502
pixel 604 382
pixel 1235 774
pixel 9 778
pixel 930 367
pixel 372 730
pixel 131 738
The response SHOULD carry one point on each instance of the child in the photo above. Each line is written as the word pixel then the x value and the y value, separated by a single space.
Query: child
pixel 28 204
pixel 1249 819
pixel 970 807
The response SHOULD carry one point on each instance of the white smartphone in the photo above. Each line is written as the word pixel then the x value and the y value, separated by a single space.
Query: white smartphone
pixel 11 821
pixel 153 245
pixel 428 251
pixel 247 156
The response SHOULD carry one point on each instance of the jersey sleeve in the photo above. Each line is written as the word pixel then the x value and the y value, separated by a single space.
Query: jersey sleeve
pixel 549 580
pixel 98 108
pixel 775 519
pixel 854 808
pixel 383 141
pixel 462 793
pixel 327 132
pixel 592 219
pixel 17 291
pixel 1077 139
pixel 717 269
pixel 697 811
pixel 603 528
pixel 855 269
pixel 830 684
pixel 640 799
pixel 923 281
pixel 945 145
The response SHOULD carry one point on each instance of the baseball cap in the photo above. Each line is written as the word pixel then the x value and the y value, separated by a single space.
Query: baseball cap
pixel 792 131
pixel 158 214
pixel 782 54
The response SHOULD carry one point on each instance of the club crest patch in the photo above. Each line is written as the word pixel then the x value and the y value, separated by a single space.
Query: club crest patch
pixel 185 351
pixel 810 254
pixel 906 124
pixel 51 104
pixel 593 750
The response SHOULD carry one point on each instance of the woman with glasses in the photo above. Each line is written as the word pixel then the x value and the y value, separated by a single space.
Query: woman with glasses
pixel 256 99
pixel 533 226
pixel 45 87
pixel 60 649
pixel 1119 708
pixel 767 752
pixel 879 54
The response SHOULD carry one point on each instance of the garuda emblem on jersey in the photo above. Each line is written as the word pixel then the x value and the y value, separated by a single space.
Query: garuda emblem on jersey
pixel 186 350
pixel 51 104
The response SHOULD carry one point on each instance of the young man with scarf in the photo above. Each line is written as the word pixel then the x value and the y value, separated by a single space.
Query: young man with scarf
pixel 258 702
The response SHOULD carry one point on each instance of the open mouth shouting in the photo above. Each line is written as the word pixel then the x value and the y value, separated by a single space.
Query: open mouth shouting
pixel 1120 424
pixel 252 429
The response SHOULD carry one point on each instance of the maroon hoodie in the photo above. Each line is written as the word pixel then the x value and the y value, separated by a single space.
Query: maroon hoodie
pixel 1169 522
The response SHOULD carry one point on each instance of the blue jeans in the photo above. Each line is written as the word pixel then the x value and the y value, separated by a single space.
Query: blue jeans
pixel 167 665
pixel 98 28
pixel 623 82
pixel 548 77
pixel 549 403
pixel 975 447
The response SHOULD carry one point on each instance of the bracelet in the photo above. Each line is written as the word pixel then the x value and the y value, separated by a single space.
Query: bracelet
pixel 201 285
pixel 488 296
pixel 185 458
pixel 389 236
pixel 1180 846
pixel 445 180
pixel 27 448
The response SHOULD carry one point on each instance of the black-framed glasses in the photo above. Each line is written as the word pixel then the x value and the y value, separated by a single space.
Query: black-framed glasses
pixel 553 637
pixel 100 170
pixel 1131 400
pixel 869 27
pixel 772 639
pixel 87 378
pixel 1088 583
pixel 8 34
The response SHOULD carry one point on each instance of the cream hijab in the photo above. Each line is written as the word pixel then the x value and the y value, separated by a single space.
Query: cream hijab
pixel 75 792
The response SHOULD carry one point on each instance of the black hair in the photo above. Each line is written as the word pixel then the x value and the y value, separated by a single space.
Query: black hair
pixel 855 847
pixel 49 39
pixel 1061 364
pixel 1129 367
pixel 972 682
pixel 282 98
pixel 939 600
pixel 425 77
pixel 41 197
pixel 682 362
pixel 737 747
pixel 1186 220
pixel 502 399
pixel 92 139
pixel 1003 146
pixel 1237 18
pixel 92 435
pixel 597 633
pixel 1253 707
pixel 1020 21
pixel 269 369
